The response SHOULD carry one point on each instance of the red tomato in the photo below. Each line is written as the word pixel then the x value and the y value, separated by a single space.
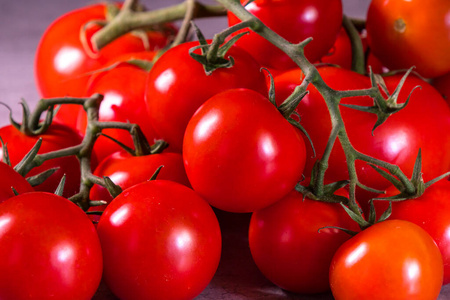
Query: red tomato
pixel 341 52
pixel 288 247
pixel 57 137
pixel 160 240
pixel 431 211
pixel 178 86
pixel 397 141
pixel 62 64
pixel 239 152
pixel 123 88
pixel 393 259
pixel 295 21
pixel 404 33
pixel 11 179
pixel 442 84
pixel 50 249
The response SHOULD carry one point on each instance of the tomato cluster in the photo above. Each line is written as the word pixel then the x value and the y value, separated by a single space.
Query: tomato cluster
pixel 231 140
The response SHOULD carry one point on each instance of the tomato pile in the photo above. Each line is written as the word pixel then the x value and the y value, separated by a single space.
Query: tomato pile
pixel 331 134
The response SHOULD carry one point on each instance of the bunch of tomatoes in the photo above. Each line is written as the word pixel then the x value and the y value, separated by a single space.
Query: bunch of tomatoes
pixel 236 141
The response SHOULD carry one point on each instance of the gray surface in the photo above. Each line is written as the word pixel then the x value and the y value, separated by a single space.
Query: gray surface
pixel 21 25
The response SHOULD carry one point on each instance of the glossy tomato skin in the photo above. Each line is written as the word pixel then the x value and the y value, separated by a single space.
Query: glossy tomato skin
pixel 11 179
pixel 178 86
pixel 239 152
pixel 57 137
pixel 50 249
pixel 403 33
pixel 397 141
pixel 320 20
pixel 394 259
pixel 62 64
pixel 160 240
pixel 288 247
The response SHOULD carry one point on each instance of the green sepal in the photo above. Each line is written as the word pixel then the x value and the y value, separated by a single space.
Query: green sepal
pixel 358 218
pixel 367 188
pixel 397 183
pixel 303 130
pixel 113 189
pixel 23 166
pixel 15 192
pixel 156 173
pixel 41 177
pixel 60 188
pixel 97 202
pixel 348 231
pixel 386 214
pixel 5 153
pixel 271 94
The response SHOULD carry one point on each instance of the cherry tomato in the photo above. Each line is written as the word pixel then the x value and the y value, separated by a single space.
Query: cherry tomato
pixel 404 33
pixel 57 137
pixel 394 259
pixel 160 240
pixel 178 85
pixel 290 245
pixel 340 53
pixel 63 64
pixel 12 180
pixel 295 21
pixel 240 153
pixel 50 249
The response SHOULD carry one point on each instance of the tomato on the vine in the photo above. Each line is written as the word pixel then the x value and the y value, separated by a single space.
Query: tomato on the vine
pixel 295 21
pixel 178 86
pixel 56 137
pixel 50 249
pixel 160 240
pixel 12 182
pixel 240 153
pixel 405 33
pixel 394 259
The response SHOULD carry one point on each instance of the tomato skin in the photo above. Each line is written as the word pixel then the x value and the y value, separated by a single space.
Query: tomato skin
pixel 160 240
pixel 287 246
pixel 62 64
pixel 319 19
pixel 50 249
pixel 391 260
pixel 239 152
pixel 12 179
pixel 341 52
pixel 57 137
pixel 173 96
pixel 403 33
pixel 442 84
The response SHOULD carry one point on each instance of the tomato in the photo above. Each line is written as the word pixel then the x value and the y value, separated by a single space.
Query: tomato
pixel 397 141
pixel 160 240
pixel 123 88
pixel 404 33
pixel 62 64
pixel 240 153
pixel 288 247
pixel 320 20
pixel 57 137
pixel 178 85
pixel 442 84
pixel 12 180
pixel 341 52
pixel 50 249
pixel 431 211
pixel 126 170
pixel 394 259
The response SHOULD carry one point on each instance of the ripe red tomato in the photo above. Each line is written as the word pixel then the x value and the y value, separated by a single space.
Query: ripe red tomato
pixel 123 88
pixel 62 64
pixel 240 153
pixel 295 21
pixel 11 179
pixel 340 53
pixel 50 249
pixel 404 33
pixel 397 141
pixel 178 86
pixel 393 259
pixel 288 247
pixel 160 240
pixel 57 137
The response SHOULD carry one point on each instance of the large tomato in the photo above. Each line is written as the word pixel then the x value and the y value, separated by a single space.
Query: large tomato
pixel 397 141
pixel 394 259
pixel 288 247
pixel 57 137
pixel 178 85
pixel 295 21
pixel 11 180
pixel 63 64
pixel 239 152
pixel 160 240
pixel 50 249
pixel 405 33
